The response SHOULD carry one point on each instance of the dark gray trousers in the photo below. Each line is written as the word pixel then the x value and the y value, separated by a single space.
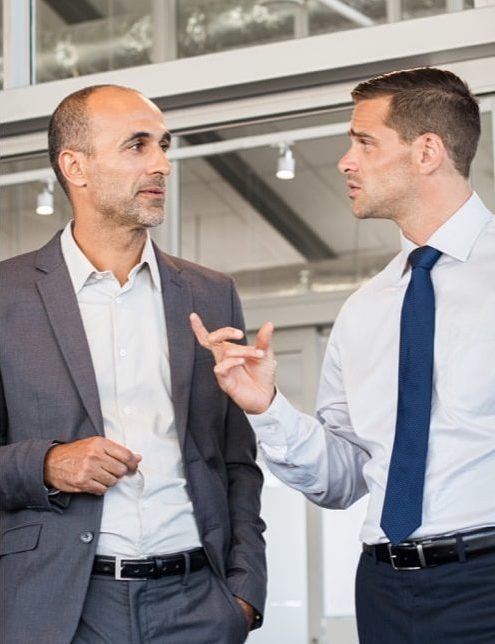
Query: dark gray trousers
pixel 197 609
pixel 453 603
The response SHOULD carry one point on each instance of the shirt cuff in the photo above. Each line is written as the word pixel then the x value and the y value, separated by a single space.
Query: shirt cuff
pixel 274 427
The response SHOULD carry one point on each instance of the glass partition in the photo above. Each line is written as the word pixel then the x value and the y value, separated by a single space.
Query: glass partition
pixel 1 44
pixel 21 228
pixel 77 37
pixel 276 236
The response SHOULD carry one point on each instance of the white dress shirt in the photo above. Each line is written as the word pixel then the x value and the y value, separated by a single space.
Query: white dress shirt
pixel 148 512
pixel 345 452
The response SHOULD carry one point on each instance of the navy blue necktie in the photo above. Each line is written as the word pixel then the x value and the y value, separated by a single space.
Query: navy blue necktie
pixel 403 504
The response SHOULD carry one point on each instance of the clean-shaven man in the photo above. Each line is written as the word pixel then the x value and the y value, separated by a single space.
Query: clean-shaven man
pixel 406 403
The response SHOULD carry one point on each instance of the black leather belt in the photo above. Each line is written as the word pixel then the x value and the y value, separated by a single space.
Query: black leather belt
pixel 426 553
pixel 151 567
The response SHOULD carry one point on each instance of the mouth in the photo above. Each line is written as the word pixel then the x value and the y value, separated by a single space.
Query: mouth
pixel 353 189
pixel 153 192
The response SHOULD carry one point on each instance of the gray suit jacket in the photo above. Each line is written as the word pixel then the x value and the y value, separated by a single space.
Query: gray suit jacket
pixel 48 393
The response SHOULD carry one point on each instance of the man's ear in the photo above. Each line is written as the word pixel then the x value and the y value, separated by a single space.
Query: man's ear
pixel 430 152
pixel 72 166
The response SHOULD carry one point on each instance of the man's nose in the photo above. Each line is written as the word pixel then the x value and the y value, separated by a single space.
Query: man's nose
pixel 159 162
pixel 347 163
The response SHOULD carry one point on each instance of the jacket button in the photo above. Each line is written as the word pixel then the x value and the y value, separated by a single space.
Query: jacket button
pixel 86 537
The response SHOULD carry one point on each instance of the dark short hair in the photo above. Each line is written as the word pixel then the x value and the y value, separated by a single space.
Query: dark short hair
pixel 427 99
pixel 69 127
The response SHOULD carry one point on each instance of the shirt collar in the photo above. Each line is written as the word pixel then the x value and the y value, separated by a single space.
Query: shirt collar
pixel 457 236
pixel 81 269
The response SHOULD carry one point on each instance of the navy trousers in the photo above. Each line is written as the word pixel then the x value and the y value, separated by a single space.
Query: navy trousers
pixel 453 603
pixel 198 609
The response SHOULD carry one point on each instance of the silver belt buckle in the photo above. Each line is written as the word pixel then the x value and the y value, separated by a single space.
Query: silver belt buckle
pixel 421 557
pixel 118 569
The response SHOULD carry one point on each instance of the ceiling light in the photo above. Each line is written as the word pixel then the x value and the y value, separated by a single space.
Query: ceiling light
pixel 286 163
pixel 45 200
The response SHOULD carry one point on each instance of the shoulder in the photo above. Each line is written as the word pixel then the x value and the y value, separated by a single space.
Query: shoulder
pixel 385 278
pixel 25 267
pixel 196 275
pixel 15 269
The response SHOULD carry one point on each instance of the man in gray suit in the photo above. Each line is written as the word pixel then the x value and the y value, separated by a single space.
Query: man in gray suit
pixel 129 493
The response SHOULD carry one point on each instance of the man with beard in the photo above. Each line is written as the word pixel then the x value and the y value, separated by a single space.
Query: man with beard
pixel 129 493
pixel 406 404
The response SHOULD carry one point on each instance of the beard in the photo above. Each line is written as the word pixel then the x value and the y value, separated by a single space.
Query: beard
pixel 133 213
pixel 139 210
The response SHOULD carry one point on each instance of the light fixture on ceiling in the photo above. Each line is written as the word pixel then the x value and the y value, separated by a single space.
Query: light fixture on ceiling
pixel 44 205
pixel 286 167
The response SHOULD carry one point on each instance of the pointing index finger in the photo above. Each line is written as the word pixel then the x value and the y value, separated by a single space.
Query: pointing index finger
pixel 199 329
pixel 214 338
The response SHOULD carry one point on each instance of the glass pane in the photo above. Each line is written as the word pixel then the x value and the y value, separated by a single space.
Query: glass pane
pixel 482 170
pixel 77 37
pixel 21 229
pixel 280 237
pixel 206 26
pixel 421 8
pixel 1 44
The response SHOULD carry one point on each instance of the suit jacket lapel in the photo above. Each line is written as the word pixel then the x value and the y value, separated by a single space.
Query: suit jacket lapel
pixel 59 299
pixel 178 304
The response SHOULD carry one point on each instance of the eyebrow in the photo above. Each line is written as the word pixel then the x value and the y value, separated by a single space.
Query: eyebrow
pixel 361 135
pixel 145 135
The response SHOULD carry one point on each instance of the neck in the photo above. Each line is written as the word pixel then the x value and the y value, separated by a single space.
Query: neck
pixel 116 249
pixel 431 210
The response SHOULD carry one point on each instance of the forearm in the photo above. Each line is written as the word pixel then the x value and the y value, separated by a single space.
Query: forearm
pixel 322 462
pixel 21 475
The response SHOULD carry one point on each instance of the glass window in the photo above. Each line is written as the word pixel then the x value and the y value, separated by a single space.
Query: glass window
pixel 77 37
pixel 1 44
pixel 21 229
pixel 483 170
pixel 275 236
pixel 280 236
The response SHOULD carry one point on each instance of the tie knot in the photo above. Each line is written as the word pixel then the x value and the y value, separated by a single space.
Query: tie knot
pixel 424 257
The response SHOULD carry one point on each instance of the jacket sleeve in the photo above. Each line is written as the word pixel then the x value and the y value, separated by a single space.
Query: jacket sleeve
pixel 21 470
pixel 246 565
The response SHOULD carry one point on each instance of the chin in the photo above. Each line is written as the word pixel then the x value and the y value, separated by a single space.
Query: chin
pixel 150 220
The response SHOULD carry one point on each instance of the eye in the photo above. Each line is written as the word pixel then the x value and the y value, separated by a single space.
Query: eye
pixel 136 146
pixel 165 146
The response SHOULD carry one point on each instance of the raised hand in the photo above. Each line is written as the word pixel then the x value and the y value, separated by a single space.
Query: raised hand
pixel 88 465
pixel 245 373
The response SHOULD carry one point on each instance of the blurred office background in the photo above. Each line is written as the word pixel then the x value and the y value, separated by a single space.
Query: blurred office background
pixel 251 89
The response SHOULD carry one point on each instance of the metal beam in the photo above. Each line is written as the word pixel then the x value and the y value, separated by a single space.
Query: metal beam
pixel 352 14
pixel 284 219
pixel 73 12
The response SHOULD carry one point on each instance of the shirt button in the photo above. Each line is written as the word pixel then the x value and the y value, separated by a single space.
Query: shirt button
pixel 118 300
pixel 86 537
pixel 127 411
pixel 98 276
pixel 122 353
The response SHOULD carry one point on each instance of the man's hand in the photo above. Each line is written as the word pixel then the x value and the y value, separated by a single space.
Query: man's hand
pixel 89 465
pixel 248 610
pixel 245 373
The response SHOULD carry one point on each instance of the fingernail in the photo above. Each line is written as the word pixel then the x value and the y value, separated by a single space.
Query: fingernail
pixel 260 353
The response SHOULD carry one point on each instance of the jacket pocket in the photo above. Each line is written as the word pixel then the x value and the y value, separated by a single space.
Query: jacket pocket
pixel 20 538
